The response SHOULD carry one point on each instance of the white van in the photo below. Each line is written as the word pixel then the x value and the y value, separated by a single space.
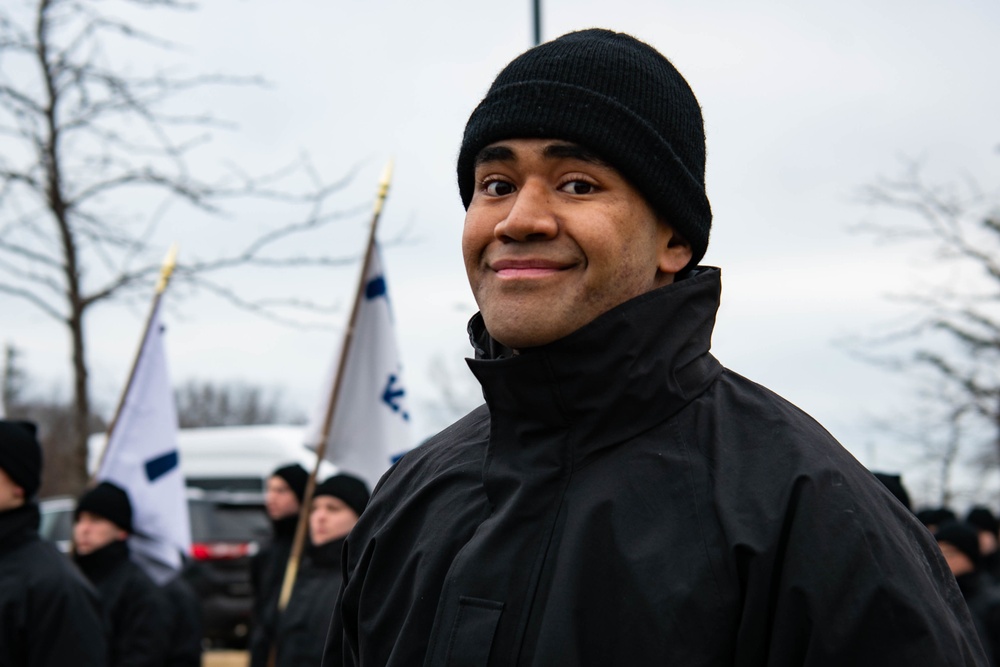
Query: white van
pixel 235 458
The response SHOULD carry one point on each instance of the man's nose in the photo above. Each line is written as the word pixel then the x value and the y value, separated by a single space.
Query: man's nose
pixel 531 216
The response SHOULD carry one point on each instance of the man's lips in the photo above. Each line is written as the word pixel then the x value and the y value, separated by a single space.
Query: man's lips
pixel 527 268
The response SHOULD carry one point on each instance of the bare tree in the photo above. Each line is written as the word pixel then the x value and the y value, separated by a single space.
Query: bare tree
pixel 942 428
pixel 97 153
pixel 949 344
pixel 12 378
pixel 52 414
pixel 203 403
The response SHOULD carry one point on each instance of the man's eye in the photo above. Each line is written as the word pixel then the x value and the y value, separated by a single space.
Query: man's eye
pixel 498 188
pixel 578 188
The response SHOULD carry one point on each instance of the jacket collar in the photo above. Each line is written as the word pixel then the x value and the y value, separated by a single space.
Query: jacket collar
pixel 629 369
pixel 328 554
pixel 18 526
pixel 101 563
pixel 284 528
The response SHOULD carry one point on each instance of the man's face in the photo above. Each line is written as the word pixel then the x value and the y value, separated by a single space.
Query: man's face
pixel 92 532
pixel 958 562
pixel 329 519
pixel 279 499
pixel 11 495
pixel 554 237
pixel 987 542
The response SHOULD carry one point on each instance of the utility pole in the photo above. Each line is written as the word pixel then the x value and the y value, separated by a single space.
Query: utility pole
pixel 537 5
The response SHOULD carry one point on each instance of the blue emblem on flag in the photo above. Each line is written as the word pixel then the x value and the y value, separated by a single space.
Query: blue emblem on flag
pixel 392 396
pixel 375 288
pixel 159 466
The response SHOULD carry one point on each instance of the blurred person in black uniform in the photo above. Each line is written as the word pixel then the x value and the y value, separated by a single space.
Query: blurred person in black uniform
pixel 49 614
pixel 282 501
pixel 932 517
pixel 297 635
pixel 894 482
pixel 988 527
pixel 959 542
pixel 135 608
pixel 185 630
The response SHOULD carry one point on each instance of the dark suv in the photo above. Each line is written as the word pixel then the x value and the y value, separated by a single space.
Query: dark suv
pixel 227 528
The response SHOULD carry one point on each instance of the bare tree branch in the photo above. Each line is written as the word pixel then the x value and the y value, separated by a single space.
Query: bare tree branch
pixel 100 154
pixel 951 338
pixel 33 299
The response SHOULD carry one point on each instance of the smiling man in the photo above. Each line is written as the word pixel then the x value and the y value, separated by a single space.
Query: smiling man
pixel 621 498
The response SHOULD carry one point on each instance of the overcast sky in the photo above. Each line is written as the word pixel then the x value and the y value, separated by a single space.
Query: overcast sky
pixel 804 103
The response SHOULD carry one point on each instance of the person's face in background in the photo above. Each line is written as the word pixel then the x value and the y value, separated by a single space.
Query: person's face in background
pixel 92 532
pixel 11 495
pixel 279 499
pixel 957 561
pixel 330 518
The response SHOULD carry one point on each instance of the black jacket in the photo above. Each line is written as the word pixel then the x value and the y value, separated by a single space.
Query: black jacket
pixel 49 614
pixel 625 500
pixel 983 597
pixel 299 633
pixel 267 573
pixel 184 626
pixel 134 607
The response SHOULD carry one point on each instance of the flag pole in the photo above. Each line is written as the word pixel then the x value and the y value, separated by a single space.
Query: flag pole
pixel 292 568
pixel 166 271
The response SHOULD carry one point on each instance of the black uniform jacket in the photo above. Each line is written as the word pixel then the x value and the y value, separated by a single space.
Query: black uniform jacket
pixel 49 614
pixel 299 632
pixel 623 499
pixel 134 607
pixel 267 574
pixel 184 623
pixel 983 597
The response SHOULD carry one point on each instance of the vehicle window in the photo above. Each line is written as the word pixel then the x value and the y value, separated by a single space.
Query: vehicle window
pixel 56 526
pixel 227 483
pixel 220 522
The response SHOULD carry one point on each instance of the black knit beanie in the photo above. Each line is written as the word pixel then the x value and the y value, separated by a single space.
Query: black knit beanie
pixel 21 455
pixel 962 536
pixel 935 516
pixel 109 501
pixel 615 96
pixel 295 476
pixel 983 519
pixel 348 488
pixel 894 483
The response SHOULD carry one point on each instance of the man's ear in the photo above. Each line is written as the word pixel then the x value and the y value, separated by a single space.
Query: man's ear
pixel 675 252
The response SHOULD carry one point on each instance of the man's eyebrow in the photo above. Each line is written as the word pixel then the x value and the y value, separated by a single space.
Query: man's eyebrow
pixel 573 152
pixel 494 154
pixel 501 153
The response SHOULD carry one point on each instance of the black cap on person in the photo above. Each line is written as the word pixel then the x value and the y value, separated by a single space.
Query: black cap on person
pixel 21 455
pixel 348 488
pixel 295 476
pixel 109 501
pixel 983 519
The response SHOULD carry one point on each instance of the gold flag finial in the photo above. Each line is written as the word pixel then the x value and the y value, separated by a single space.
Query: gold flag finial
pixel 383 187
pixel 169 263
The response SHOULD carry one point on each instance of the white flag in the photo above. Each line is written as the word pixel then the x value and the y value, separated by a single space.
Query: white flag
pixel 371 423
pixel 142 457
